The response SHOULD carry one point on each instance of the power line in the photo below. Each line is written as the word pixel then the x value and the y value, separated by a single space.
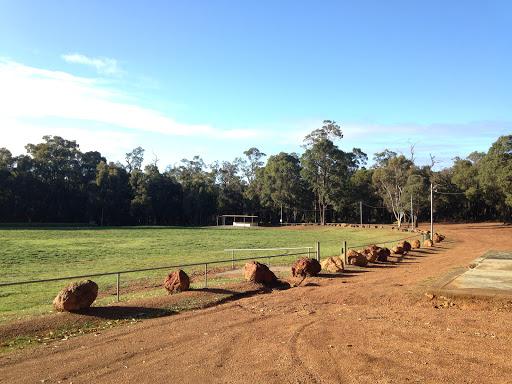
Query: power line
pixel 450 193
pixel 348 205
pixel 371 206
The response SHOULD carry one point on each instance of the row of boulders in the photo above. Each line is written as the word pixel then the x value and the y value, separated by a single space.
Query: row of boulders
pixel 82 294
pixel 79 295
pixel 373 253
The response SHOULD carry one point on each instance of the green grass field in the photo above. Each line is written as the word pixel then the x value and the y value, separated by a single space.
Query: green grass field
pixel 43 253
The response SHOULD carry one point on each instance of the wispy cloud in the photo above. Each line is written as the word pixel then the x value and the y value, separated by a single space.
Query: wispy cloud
pixel 104 66
pixel 35 102
pixel 29 92
pixel 110 143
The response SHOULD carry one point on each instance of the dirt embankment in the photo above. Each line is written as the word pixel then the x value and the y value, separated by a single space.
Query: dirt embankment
pixel 372 325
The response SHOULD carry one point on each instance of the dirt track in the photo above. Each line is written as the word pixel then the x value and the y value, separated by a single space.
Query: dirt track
pixel 371 326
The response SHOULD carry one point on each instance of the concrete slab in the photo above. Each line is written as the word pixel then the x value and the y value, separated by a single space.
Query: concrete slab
pixel 489 276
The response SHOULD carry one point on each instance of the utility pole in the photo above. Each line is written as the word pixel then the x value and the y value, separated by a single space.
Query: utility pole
pixel 412 215
pixel 431 211
pixel 361 212
pixel 281 215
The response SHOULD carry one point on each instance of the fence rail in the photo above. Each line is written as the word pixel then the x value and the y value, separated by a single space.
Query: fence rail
pixel 118 273
pixel 309 251
pixel 270 249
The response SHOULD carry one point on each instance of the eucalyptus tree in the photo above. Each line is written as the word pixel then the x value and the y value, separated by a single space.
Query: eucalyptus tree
pixel 325 167
pixel 250 167
pixel 157 197
pixel 362 189
pixel 390 178
pixel 281 185
pixel 112 194
pixel 200 191
pixel 417 192
pixel 56 162
pixel 231 188
pixel 329 131
pixel 7 198
pixel 496 176
pixel 466 178
pixel 134 159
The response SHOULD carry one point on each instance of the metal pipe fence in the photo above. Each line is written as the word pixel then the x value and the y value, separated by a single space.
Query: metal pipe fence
pixel 118 273
pixel 267 249
pixel 309 252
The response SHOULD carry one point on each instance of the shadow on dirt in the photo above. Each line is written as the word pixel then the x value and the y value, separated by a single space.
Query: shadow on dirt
pixel 123 312
pixel 234 295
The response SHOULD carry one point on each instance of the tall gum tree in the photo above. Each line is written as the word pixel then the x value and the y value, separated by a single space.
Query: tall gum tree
pixel 390 178
pixel 280 183
pixel 200 191
pixel 324 166
pixel 496 175
pixel 466 178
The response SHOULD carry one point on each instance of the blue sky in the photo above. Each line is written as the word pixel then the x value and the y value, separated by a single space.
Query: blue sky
pixel 215 78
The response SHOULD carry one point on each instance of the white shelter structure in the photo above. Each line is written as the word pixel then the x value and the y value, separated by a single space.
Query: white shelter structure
pixel 239 220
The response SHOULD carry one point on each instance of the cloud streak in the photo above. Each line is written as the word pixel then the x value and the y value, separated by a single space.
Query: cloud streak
pixel 29 92
pixel 35 102
pixel 104 66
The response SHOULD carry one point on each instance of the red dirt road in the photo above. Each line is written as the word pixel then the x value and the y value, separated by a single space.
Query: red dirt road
pixel 372 325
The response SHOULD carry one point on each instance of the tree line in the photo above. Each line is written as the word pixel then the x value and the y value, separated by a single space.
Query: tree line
pixel 57 183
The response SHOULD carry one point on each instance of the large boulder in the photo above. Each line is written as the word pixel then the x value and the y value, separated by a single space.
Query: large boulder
pixel 428 243
pixel 416 243
pixel 333 264
pixel 405 245
pixel 383 253
pixel 398 250
pixel 259 273
pixel 437 238
pixel 372 253
pixel 357 259
pixel 176 281
pixel 305 266
pixel 76 296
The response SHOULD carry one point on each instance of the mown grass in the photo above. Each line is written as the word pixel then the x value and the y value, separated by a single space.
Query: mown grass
pixel 31 253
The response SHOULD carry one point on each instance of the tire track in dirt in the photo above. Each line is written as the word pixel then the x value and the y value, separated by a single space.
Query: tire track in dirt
pixel 303 371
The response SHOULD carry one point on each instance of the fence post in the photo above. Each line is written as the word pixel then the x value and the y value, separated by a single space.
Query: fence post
pixel 232 259
pixel 118 278
pixel 205 275
pixel 318 251
pixel 345 252
pixel 268 262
